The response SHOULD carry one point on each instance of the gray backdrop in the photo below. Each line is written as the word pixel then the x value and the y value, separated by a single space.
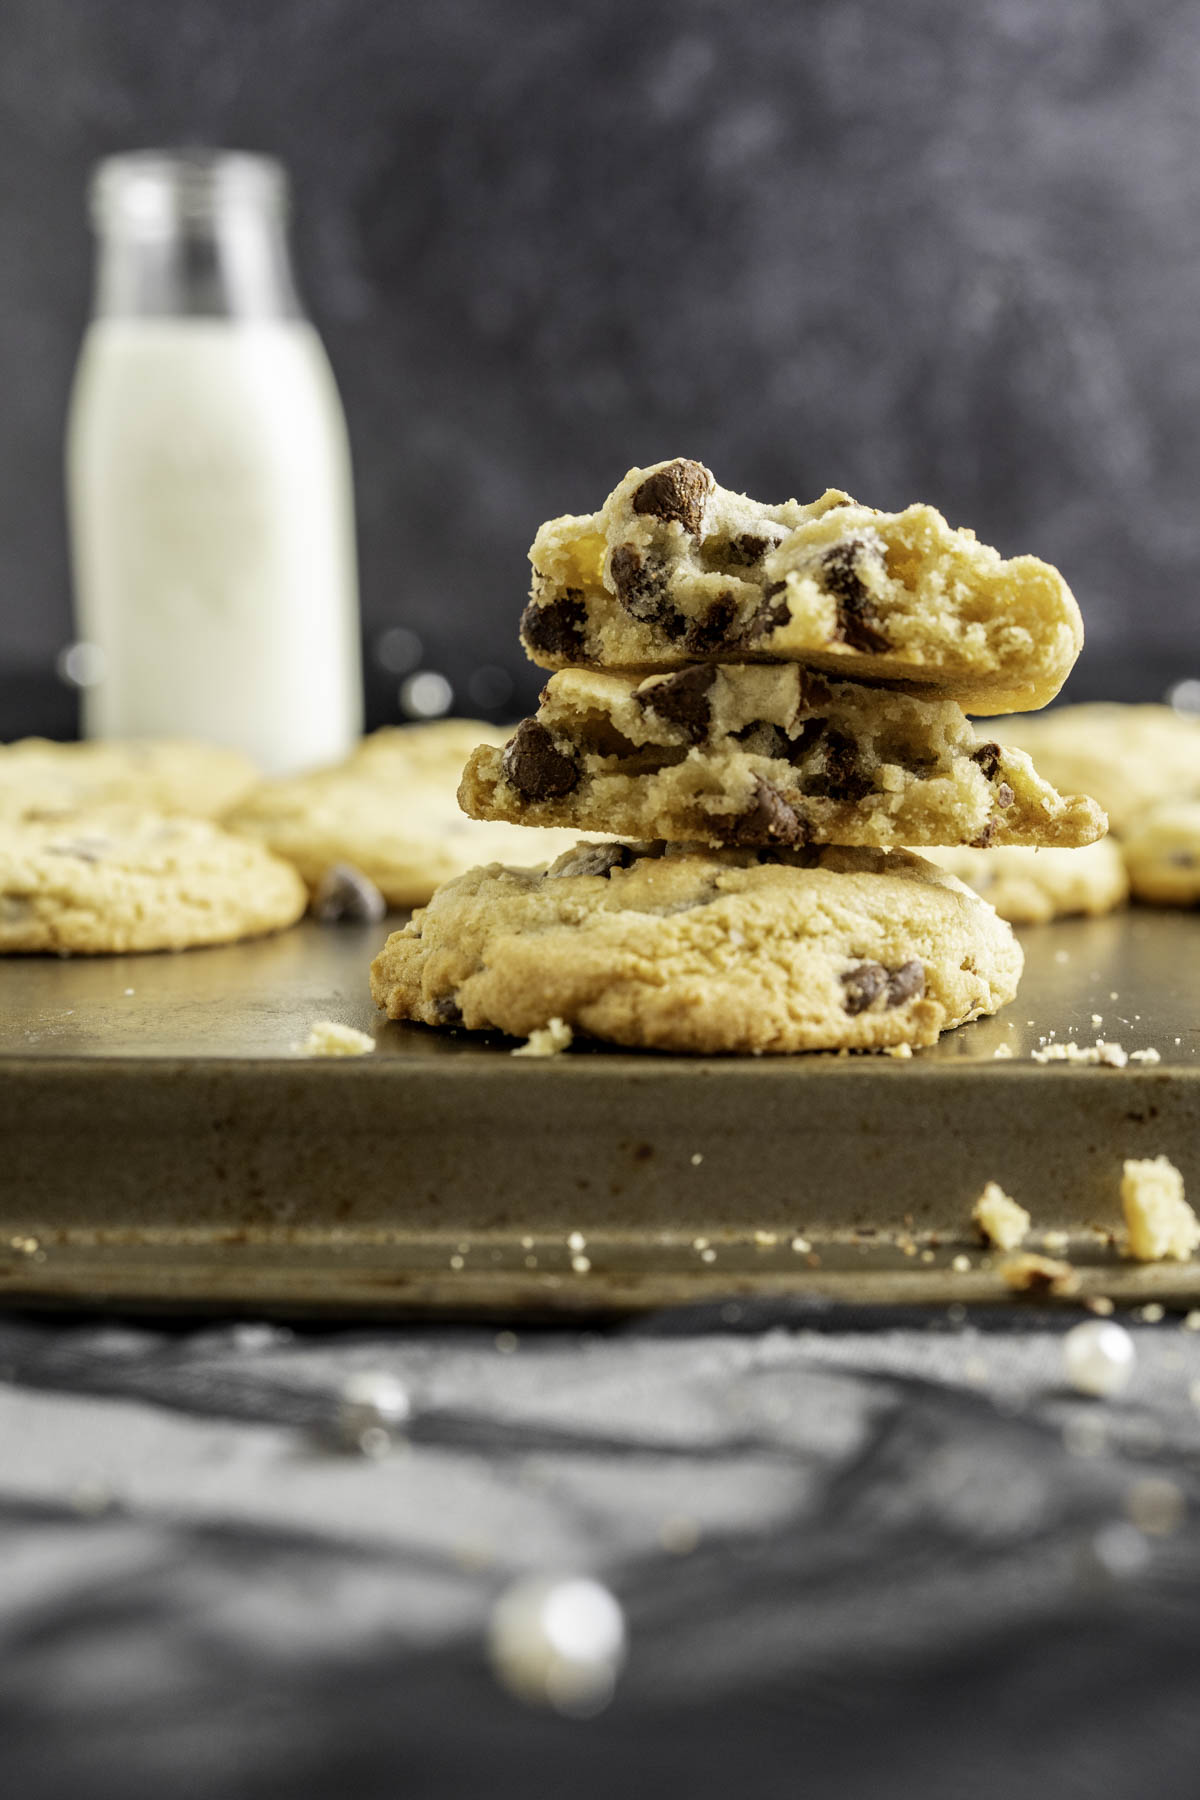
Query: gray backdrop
pixel 917 249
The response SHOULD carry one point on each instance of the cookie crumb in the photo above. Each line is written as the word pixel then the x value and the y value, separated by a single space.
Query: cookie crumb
pixel 1101 1305
pixel 1097 1019
pixel 801 1246
pixel 1192 1321
pixel 1055 1241
pixel 551 1039
pixel 328 1038
pixel 999 1218
pixel 1113 1056
pixel 1145 1056
pixel 1002 1052
pixel 901 1050
pixel 1160 1222
pixel 961 1265
pixel 1032 1274
pixel 1152 1313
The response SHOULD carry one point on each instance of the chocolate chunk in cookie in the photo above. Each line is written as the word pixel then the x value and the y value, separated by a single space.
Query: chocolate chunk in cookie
pixel 906 983
pixel 988 757
pixel 446 1010
pixel 593 859
pixel 716 629
pixel 535 766
pixel 858 622
pixel 772 612
pixel 643 586
pixel 679 491
pixel 557 629
pixel 770 819
pixel 869 981
pixel 837 775
pixel 682 700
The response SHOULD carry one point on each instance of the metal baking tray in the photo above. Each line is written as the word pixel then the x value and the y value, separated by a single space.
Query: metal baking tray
pixel 163 1144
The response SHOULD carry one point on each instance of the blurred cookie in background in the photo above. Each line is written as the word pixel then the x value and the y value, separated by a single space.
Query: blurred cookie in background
pixel 1028 887
pixel 168 775
pixel 1127 757
pixel 1162 855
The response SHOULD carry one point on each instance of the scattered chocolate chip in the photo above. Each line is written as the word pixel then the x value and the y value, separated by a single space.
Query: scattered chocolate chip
pixel 714 631
pixel 988 757
pixel 536 767
pixel 906 983
pixel 679 491
pixel 772 613
pixel 747 549
pixel 682 699
pixel 770 819
pixel 643 586
pixel 557 629
pixel 985 837
pixel 1004 795
pixel 345 895
pixel 858 621
pixel 865 983
pixel 593 859
pixel 446 1010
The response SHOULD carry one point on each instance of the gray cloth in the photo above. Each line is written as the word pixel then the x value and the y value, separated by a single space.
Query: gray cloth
pixel 857 1556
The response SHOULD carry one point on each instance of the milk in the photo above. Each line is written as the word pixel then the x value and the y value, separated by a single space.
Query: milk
pixel 209 491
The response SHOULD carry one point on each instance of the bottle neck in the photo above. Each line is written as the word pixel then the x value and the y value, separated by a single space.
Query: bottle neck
pixel 189 237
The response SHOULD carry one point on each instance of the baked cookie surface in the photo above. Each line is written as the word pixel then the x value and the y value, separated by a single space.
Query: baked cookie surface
pixel 674 569
pixel 1128 757
pixel 38 776
pixel 390 811
pixel 120 879
pixel 760 754
pixel 677 948
pixel 1162 855
pixel 1028 887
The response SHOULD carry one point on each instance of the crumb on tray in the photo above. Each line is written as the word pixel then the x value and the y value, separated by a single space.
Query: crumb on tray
pixel 328 1038
pixel 551 1039
pixel 1031 1274
pixel 1000 1219
pixel 1161 1223
pixel 1113 1056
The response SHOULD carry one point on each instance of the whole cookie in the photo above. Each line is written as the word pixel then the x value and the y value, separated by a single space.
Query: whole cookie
pixel 38 776
pixel 674 948
pixel 675 569
pixel 1162 855
pixel 1128 757
pixel 1028 887
pixel 390 811
pixel 758 753
pixel 117 879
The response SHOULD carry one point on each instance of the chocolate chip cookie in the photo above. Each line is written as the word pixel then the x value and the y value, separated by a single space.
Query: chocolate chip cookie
pixel 1162 855
pixel 674 569
pixel 761 754
pixel 1027 887
pixel 119 879
pixel 390 811
pixel 670 947
pixel 38 776
pixel 1129 757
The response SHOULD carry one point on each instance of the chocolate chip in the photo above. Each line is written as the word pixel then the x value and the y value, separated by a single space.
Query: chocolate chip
pixel 682 699
pixel 864 984
pixel 557 629
pixel 983 841
pixel 446 1010
pixel 761 739
pixel 714 631
pixel 838 775
pixel 593 859
pixel 1004 795
pixel 770 819
pixel 772 613
pixel 906 983
pixel 345 894
pixel 858 621
pixel 988 757
pixel 679 491
pixel 643 587
pixel 536 767
pixel 747 549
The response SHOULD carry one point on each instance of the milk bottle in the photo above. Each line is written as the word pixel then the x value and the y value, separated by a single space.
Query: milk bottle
pixel 208 474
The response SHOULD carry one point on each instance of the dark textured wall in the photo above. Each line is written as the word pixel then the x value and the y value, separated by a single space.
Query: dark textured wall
pixel 921 249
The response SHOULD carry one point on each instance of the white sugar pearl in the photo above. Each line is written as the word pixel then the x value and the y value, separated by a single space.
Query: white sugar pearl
pixel 558 1641
pixel 373 1409
pixel 1099 1357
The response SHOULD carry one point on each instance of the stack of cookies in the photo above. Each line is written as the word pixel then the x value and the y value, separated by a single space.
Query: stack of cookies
pixel 766 705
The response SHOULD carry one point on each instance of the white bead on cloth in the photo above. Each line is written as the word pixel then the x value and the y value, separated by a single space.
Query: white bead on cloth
pixel 1099 1357
pixel 558 1641
pixel 373 1409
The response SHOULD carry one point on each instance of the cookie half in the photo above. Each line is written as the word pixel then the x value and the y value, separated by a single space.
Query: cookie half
pixel 117 879
pixel 673 569
pixel 1028 887
pixel 675 948
pixel 744 754
pixel 390 811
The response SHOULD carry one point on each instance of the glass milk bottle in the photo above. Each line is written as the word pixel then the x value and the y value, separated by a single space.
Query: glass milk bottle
pixel 208 473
